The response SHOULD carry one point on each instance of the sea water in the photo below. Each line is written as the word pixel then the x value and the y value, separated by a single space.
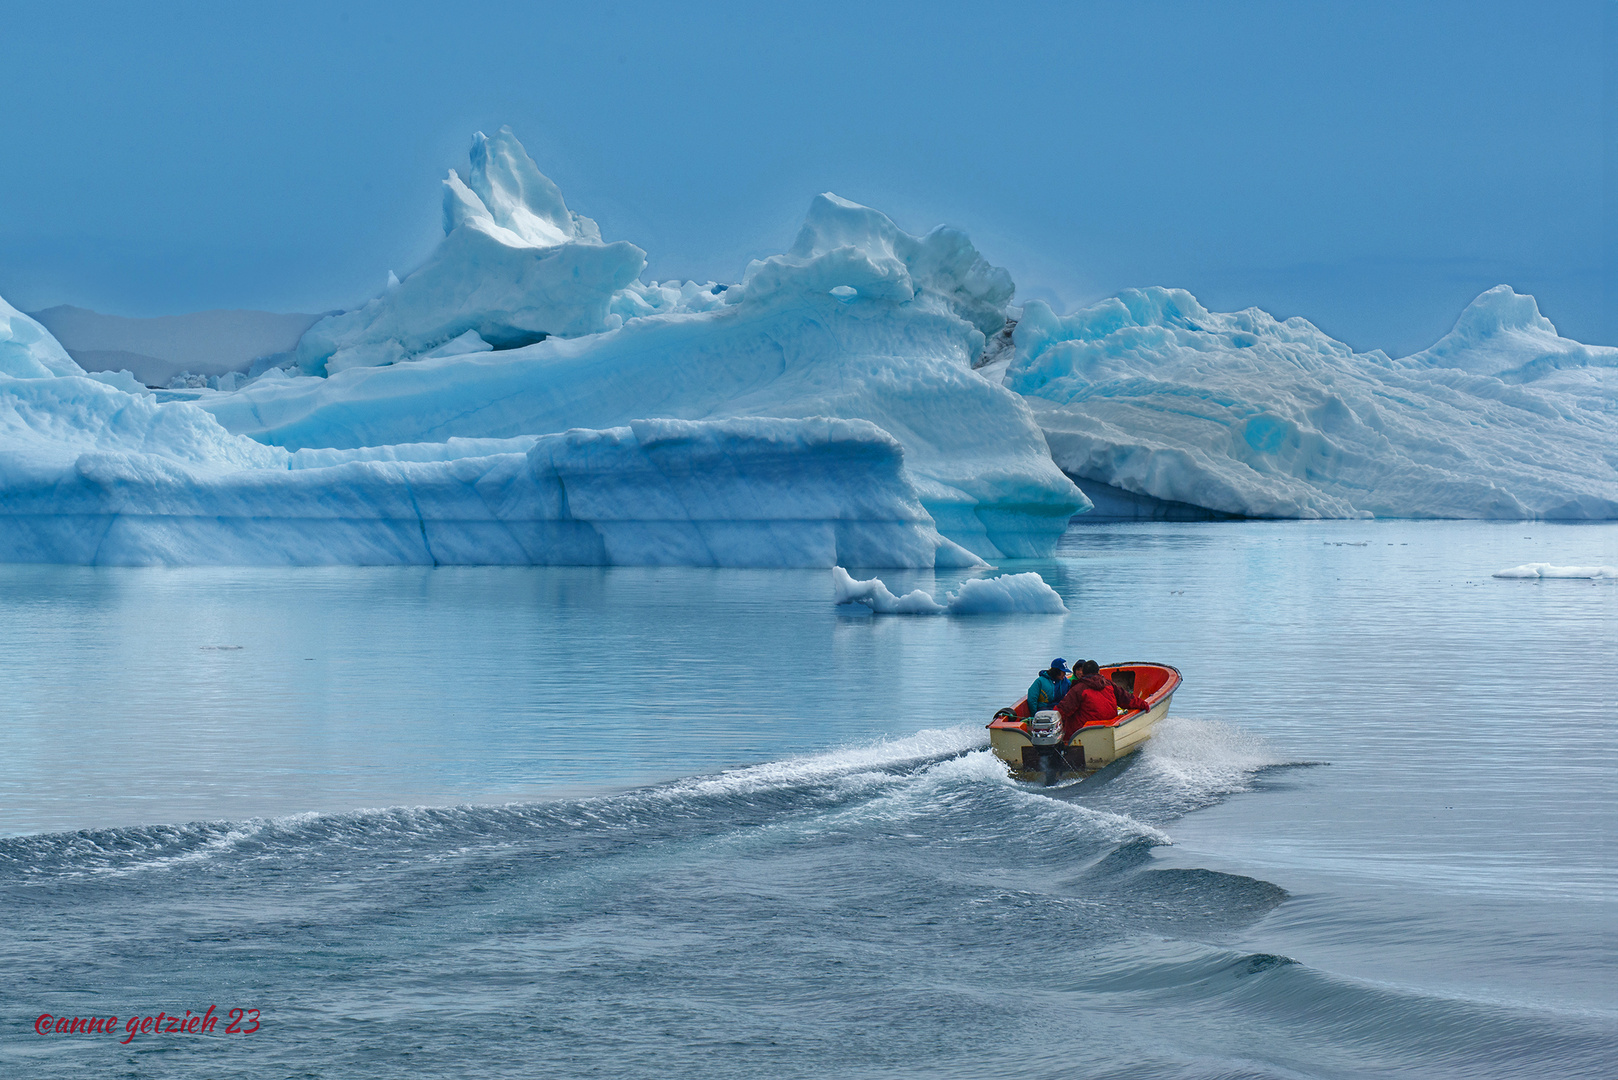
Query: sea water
pixel 676 822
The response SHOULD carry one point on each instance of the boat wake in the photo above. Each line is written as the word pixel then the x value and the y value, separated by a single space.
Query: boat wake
pixel 932 776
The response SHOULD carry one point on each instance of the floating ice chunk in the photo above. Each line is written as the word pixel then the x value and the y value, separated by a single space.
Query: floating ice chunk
pixel 1006 593
pixel 1546 570
pixel 876 596
pixel 1009 593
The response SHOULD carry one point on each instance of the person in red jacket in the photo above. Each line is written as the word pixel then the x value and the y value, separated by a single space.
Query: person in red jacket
pixel 1093 700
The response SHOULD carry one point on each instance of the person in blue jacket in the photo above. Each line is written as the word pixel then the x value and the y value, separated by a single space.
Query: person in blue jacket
pixel 1050 687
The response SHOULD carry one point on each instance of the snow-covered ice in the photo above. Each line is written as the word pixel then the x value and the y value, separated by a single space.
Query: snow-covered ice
pixel 857 320
pixel 1246 414
pixel 868 397
pixel 1006 594
pixel 1546 570
pixel 27 349
pixel 515 266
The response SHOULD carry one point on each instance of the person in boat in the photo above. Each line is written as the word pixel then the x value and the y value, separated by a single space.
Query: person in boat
pixel 1049 688
pixel 1093 700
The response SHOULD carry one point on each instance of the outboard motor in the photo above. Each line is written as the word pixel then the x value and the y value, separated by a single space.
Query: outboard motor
pixel 1045 732
pixel 1045 729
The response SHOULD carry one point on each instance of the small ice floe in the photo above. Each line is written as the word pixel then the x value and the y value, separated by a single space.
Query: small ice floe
pixel 1009 593
pixel 1546 570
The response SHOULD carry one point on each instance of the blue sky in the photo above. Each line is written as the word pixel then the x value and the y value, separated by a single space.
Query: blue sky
pixel 1368 166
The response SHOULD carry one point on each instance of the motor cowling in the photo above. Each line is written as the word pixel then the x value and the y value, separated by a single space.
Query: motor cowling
pixel 1045 728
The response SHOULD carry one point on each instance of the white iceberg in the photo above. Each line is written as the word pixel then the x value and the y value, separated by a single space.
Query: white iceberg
pixel 860 399
pixel 1241 413
pixel 1546 570
pixel 858 320
pixel 515 266
pixel 1007 594
pixel 90 474
pixel 491 408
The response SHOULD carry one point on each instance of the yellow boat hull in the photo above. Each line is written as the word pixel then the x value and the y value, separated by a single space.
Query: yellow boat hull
pixel 1102 744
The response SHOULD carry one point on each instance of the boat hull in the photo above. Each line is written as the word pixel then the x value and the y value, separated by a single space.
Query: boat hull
pixel 1101 744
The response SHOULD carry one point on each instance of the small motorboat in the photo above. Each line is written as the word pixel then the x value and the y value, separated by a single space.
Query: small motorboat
pixel 1030 745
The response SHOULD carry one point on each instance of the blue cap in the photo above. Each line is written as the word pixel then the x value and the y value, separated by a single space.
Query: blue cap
pixel 1059 664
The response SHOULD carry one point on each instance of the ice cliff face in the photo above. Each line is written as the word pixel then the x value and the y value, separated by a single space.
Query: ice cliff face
pixel 1242 413
pixel 719 493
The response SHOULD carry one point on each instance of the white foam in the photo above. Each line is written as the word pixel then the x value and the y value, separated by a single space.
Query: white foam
pixel 1007 594
pixel 925 794
pixel 1205 757
pixel 1546 570
pixel 831 765
pixel 208 851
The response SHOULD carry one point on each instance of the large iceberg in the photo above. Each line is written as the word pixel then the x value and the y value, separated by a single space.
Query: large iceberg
pixel 866 398
pixel 93 474
pixel 95 470
pixel 858 320
pixel 1151 393
pixel 491 407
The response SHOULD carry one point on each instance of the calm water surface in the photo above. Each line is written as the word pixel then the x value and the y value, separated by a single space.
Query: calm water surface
pixel 581 822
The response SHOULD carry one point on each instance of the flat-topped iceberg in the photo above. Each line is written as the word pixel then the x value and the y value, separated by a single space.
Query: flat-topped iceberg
pixel 131 482
pixel 1242 413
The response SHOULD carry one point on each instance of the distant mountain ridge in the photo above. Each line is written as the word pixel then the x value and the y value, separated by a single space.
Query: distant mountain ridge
pixel 157 349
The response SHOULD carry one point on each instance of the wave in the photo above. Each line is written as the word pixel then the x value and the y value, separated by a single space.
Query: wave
pixel 945 779
pixel 1332 1024
pixel 732 798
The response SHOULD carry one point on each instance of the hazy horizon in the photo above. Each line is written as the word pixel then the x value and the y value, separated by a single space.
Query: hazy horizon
pixel 1370 169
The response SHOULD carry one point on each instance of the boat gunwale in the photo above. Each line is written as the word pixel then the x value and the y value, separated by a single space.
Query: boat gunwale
pixel 1157 697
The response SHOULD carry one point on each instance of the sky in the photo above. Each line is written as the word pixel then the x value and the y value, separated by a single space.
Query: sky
pixel 1368 166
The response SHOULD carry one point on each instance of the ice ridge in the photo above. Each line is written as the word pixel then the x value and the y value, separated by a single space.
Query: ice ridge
pixel 1242 413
